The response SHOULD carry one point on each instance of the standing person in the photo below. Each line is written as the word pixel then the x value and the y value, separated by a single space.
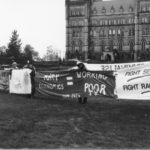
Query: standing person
pixel 14 65
pixel 29 65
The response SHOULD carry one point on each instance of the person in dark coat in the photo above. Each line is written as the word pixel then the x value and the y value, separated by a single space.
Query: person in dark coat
pixel 30 66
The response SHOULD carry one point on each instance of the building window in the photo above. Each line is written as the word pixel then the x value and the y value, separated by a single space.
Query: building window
pixel 110 22
pixel 143 44
pixel 73 46
pixel 94 11
pixel 73 34
pixel 144 20
pixel 81 23
pixel 94 22
pixel 101 22
pixel 111 45
pixel 112 10
pixel 131 32
pixel 118 31
pixel 77 12
pixel 102 46
pixel 149 8
pixel 80 46
pixel 146 31
pixel 82 12
pixel 121 9
pixel 120 44
pixel 101 33
pixel 130 9
pixel 93 33
pixel 131 45
pixel 114 32
pixel 131 20
pixel 143 8
pixel 106 22
pixel 103 10
pixel 110 32
pixel 123 21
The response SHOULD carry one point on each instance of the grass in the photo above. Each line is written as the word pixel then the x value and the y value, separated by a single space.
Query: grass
pixel 56 123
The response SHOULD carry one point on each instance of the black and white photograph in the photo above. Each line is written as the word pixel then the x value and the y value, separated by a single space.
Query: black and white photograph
pixel 75 74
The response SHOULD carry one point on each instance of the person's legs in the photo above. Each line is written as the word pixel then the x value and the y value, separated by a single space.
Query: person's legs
pixel 32 87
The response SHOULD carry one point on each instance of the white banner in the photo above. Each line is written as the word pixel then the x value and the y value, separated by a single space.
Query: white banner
pixel 133 83
pixel 20 82
pixel 112 67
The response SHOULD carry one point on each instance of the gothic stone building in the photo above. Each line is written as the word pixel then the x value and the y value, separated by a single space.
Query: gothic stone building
pixel 97 27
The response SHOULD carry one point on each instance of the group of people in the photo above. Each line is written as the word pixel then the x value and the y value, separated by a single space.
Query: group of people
pixel 30 66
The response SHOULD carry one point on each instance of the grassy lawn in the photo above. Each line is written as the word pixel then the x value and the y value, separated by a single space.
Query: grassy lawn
pixel 51 123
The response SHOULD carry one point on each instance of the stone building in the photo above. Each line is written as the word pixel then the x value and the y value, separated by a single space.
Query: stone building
pixel 95 28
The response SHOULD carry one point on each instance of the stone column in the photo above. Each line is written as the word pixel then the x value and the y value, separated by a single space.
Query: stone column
pixel 67 27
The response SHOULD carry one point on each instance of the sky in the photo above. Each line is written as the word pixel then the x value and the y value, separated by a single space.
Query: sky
pixel 40 23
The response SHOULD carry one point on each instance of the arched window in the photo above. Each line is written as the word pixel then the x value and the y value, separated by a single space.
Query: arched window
pixel 121 9
pixel 118 32
pixel 143 44
pixel 110 22
pixel 120 43
pixel 94 22
pixel 131 45
pixel 101 33
pixel 112 10
pixel 130 9
pixel 102 45
pixel 80 46
pixel 143 8
pixel 103 10
pixel 149 7
pixel 110 32
pixel 91 50
pixel 106 22
pixel 73 46
pixel 111 45
pixel 91 45
pixel 94 11
pixel 74 34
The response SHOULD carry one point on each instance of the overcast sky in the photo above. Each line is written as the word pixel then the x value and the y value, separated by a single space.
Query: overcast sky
pixel 40 23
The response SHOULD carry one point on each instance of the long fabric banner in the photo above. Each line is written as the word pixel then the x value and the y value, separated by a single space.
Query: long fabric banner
pixel 113 67
pixel 75 83
pixel 133 83
pixel 4 80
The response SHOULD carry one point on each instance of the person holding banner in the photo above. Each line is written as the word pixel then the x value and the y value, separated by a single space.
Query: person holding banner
pixel 14 65
pixel 32 75
pixel 81 66
pixel 83 98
